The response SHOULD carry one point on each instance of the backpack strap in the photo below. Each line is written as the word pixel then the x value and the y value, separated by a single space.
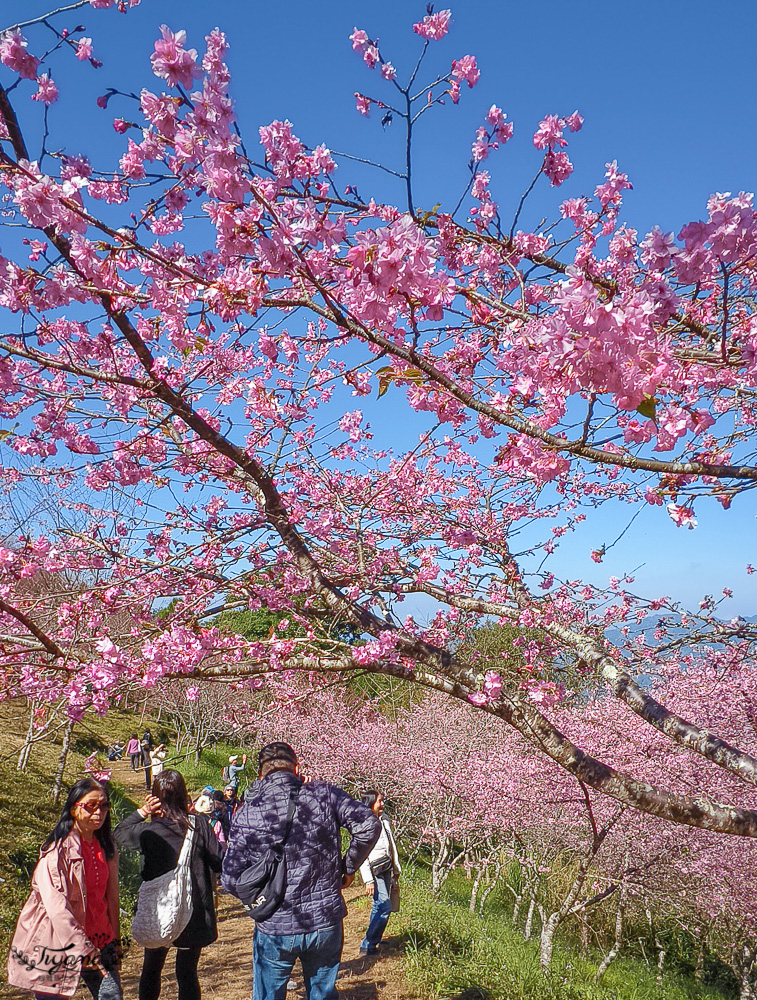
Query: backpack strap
pixel 294 794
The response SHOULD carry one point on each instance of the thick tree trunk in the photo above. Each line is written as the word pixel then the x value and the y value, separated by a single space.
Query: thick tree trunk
pixel 58 780
pixel 744 966
pixel 547 940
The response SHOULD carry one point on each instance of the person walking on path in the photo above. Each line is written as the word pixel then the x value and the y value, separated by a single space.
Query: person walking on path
pixel 378 871
pixel 69 925
pixel 157 756
pixel 134 750
pixel 308 924
pixel 160 842
pixel 146 746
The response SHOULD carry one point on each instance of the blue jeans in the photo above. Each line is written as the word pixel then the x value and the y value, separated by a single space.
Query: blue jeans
pixel 382 907
pixel 274 956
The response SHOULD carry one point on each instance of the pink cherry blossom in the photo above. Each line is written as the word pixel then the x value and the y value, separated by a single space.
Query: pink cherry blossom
pixel 172 62
pixel 434 27
pixel 466 69
pixel 682 516
pixel 503 130
pixel 557 167
pixel 47 91
pixel 370 56
pixel 84 49
pixel 14 55
pixel 550 133
pixel 359 40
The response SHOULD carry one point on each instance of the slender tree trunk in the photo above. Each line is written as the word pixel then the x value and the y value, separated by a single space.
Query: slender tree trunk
pixel 198 749
pixel 701 948
pixel 529 919
pixel 583 930
pixel 490 886
pixel 661 952
pixel 516 909
pixel 58 780
pixel 604 965
pixel 744 964
pixel 437 866
pixel 23 757
pixel 475 887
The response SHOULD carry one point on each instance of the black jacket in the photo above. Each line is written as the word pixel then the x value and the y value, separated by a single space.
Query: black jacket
pixel 160 841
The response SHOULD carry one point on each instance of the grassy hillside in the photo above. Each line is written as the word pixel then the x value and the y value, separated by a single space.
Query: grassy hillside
pixel 452 953
pixel 26 807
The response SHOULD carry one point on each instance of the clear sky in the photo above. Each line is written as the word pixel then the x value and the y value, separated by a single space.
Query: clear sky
pixel 669 89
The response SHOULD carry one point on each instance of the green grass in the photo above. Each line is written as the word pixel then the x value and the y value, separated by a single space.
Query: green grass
pixel 453 953
pixel 29 813
pixel 212 762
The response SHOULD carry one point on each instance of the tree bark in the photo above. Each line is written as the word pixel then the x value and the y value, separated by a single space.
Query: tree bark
pixel 529 919
pixel 58 780
pixel 23 757
pixel 604 965
pixel 547 940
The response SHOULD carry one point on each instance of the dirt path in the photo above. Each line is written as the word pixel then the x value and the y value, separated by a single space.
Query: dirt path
pixel 226 966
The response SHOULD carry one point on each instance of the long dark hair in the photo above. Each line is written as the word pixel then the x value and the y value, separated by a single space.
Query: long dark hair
pixel 169 787
pixel 65 824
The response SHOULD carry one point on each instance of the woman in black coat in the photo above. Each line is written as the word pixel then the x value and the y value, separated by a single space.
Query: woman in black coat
pixel 160 842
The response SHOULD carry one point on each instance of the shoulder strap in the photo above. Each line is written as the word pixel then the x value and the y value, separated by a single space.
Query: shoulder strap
pixel 294 794
pixel 186 847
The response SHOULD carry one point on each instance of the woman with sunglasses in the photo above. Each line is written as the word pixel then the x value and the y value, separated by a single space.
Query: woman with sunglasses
pixel 69 926
pixel 160 842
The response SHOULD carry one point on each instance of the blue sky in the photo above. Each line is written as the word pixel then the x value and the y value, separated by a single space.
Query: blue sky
pixel 668 89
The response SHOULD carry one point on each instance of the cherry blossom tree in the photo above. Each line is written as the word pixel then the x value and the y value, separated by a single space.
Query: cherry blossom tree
pixel 466 797
pixel 190 326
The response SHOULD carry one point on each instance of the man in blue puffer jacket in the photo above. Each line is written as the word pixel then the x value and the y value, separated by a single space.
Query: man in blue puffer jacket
pixel 308 924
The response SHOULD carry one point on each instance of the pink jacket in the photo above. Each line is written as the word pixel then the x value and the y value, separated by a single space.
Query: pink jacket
pixel 49 943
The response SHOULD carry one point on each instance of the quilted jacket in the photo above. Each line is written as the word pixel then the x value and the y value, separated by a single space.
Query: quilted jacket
pixel 313 897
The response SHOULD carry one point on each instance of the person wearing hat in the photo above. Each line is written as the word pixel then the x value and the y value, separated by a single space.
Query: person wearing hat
pixel 203 805
pixel 235 769
pixel 231 802
pixel 220 814
pixel 308 924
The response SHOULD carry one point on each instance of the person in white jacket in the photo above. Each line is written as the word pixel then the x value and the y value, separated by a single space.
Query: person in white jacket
pixel 377 873
pixel 157 756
